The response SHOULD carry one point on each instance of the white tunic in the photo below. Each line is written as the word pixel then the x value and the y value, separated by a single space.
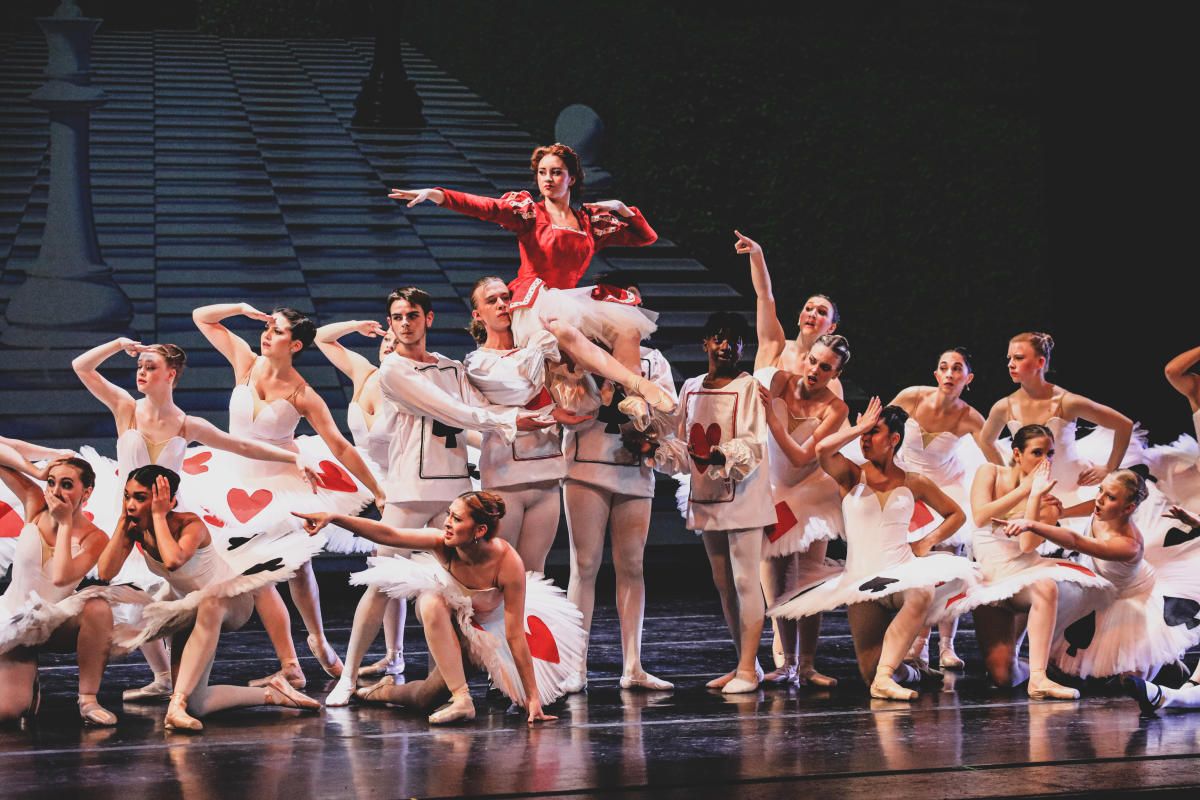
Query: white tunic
pixel 427 458
pixel 517 377
pixel 594 452
pixel 729 420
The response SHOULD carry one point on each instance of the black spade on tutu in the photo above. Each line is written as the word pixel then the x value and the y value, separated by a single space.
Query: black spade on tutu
pixel 1181 611
pixel 265 566
pixel 1080 633
pixel 1179 536
pixel 237 541
pixel 610 416
pixel 877 584
pixel 450 434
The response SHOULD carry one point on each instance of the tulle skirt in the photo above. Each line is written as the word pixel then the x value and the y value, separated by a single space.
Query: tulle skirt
pixel 596 319
pixel 552 623
pixel 1177 467
pixel 31 621
pixel 810 511
pixel 231 492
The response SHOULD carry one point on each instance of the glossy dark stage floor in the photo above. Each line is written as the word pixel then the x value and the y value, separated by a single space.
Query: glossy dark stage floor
pixel 968 742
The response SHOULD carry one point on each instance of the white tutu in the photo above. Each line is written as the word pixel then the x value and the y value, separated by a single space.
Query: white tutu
pixel 255 560
pixel 948 575
pixel 1006 571
pixel 811 512
pixel 33 622
pixel 951 463
pixel 232 492
pixel 12 519
pixel 553 630
pixel 596 319
pixel 1177 467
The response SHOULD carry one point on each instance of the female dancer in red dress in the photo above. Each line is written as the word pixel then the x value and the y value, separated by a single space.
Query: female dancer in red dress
pixel 557 243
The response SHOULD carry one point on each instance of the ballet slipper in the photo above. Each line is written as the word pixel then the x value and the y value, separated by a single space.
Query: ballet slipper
pixel 645 681
pixel 576 683
pixel 740 684
pixel 459 709
pixel 390 664
pixel 367 693
pixel 290 672
pixel 1042 688
pixel 278 692
pixel 781 677
pixel 807 675
pixel 638 411
pixel 924 672
pixel 719 682
pixel 341 693
pixel 884 687
pixel 155 690
pixel 95 714
pixel 1149 696
pixel 326 656
pixel 177 718
pixel 948 659
pixel 654 395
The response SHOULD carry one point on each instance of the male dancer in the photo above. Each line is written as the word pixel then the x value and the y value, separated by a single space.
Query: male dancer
pixel 427 459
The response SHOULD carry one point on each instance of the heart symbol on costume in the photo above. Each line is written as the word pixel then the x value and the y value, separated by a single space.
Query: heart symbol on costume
pixel 702 440
pixel 194 465
pixel 955 599
pixel 785 520
pixel 541 641
pixel 246 506
pixel 332 477
pixel 1077 567
pixel 214 520
pixel 10 521
pixel 542 400
pixel 921 517
pixel 1179 536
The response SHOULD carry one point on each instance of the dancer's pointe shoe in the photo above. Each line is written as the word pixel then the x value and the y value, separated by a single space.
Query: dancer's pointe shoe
pixel 384 666
pixel 341 693
pixel 367 693
pixel 646 682
pixel 655 395
pixel 1049 690
pixel 782 676
pixel 574 684
pixel 884 687
pixel 326 656
pixel 93 713
pixel 638 411
pixel 459 709
pixel 290 673
pixel 1149 696
pixel 151 691
pixel 740 684
pixel 720 681
pixel 280 693
pixel 178 719
pixel 924 672
pixel 948 659
pixel 808 676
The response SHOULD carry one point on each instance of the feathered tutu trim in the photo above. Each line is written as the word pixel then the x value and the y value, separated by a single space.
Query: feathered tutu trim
pixel 596 319
pixel 35 620
pixel 810 512
pixel 552 623
pixel 1177 467
pixel 254 561
pixel 229 491
pixel 948 575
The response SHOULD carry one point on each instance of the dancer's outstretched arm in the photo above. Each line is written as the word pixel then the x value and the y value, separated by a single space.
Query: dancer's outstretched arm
pixel 771 338
pixel 350 363
pixel 1182 379
pixel 840 468
pixel 235 349
pixel 386 535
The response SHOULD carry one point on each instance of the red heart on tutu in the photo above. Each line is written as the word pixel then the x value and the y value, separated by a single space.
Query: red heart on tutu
pixel 194 465
pixel 955 599
pixel 246 506
pixel 920 517
pixel 702 440
pixel 332 477
pixel 1078 567
pixel 213 519
pixel 10 521
pixel 785 520
pixel 541 641
pixel 542 400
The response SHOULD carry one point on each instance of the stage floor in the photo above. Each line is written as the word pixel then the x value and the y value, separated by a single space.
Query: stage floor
pixel 964 741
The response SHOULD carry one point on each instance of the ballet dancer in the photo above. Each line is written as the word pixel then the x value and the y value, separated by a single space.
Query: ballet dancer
pixel 938 421
pixel 721 444
pixel 1154 616
pixel 883 571
pixel 1177 465
pixel 427 460
pixel 371 420
pixel 57 547
pixel 268 400
pixel 208 594
pixel 473 595
pixel 610 488
pixel 556 244
pixel 1020 589
pixel 153 430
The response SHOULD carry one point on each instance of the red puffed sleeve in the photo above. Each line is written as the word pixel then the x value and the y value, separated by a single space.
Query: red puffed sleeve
pixel 612 230
pixel 514 211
